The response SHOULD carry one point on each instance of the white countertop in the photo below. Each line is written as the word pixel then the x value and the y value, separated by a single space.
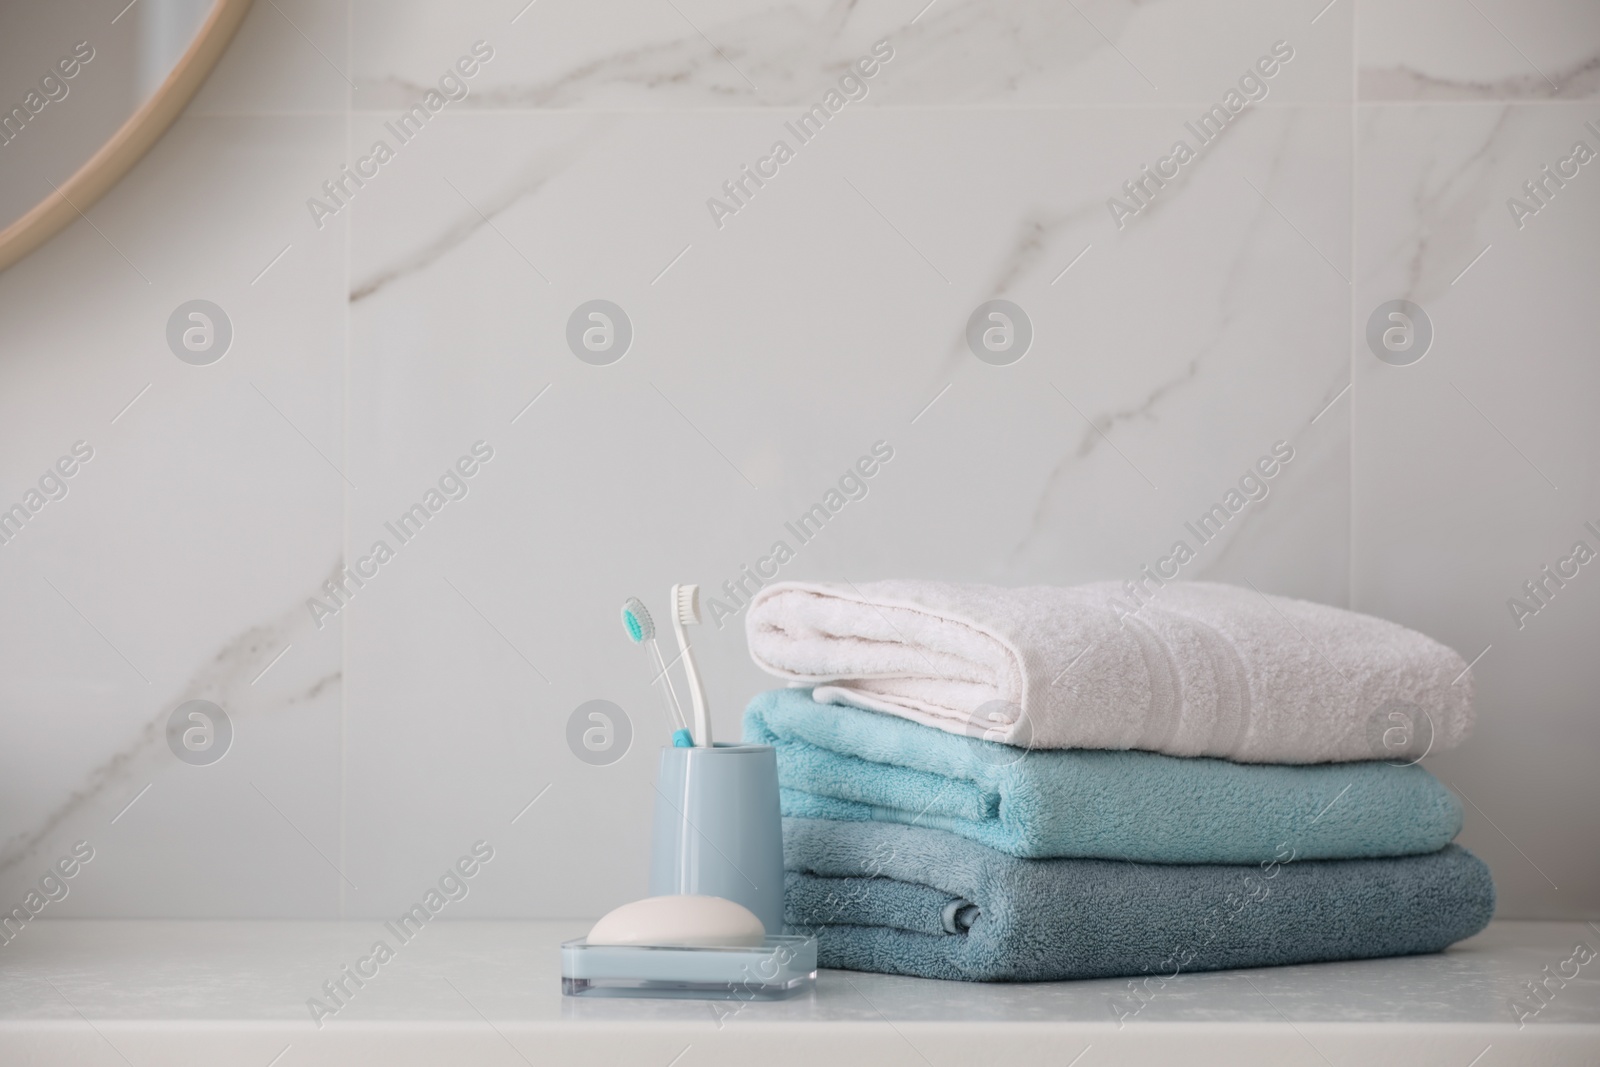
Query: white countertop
pixel 169 992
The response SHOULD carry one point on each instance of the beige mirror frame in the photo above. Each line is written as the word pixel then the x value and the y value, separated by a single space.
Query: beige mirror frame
pixel 128 145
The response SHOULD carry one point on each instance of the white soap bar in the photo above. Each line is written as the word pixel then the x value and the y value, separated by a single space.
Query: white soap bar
pixel 679 920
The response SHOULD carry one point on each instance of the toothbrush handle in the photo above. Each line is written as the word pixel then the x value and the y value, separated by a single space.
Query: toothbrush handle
pixel 668 693
pixel 697 693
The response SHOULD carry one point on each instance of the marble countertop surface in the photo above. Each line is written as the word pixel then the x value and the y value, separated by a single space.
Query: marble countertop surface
pixel 179 992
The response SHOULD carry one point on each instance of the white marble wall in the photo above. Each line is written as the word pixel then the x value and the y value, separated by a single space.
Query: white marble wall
pixel 425 315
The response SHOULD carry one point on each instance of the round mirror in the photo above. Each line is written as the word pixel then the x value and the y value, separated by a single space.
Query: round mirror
pixel 86 86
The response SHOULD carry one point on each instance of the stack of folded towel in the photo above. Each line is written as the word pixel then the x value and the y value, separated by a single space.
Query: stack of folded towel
pixel 1045 783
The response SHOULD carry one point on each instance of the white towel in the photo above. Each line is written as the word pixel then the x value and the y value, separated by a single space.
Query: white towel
pixel 1201 669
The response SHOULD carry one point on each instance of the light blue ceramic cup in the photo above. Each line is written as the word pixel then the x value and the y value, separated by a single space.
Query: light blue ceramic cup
pixel 717 828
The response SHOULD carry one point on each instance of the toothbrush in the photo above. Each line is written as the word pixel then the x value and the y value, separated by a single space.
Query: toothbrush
pixel 642 631
pixel 686 610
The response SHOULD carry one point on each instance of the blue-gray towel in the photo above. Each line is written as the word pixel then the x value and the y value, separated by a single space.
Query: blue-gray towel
pixel 844 763
pixel 908 900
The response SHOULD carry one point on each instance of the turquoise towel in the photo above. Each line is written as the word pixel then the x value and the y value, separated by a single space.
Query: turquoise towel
pixel 908 900
pixel 837 762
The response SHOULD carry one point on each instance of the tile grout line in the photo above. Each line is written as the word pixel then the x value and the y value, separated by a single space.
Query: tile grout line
pixel 1350 315
pixel 980 108
pixel 344 490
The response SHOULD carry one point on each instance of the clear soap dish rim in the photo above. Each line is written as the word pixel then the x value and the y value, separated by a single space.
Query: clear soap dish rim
pixel 690 971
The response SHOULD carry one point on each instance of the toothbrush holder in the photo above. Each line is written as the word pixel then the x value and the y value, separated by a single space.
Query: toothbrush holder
pixel 717 829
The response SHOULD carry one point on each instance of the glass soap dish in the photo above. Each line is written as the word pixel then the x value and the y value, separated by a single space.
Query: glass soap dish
pixel 779 967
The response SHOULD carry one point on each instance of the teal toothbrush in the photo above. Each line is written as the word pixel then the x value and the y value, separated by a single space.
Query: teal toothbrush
pixel 642 631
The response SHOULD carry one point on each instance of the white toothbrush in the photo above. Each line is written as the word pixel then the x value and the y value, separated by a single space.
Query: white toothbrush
pixel 686 610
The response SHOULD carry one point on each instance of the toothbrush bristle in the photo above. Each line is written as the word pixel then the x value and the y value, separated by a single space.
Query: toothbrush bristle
pixel 688 606
pixel 637 620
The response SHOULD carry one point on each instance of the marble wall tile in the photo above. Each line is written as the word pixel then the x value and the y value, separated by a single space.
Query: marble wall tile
pixel 1474 467
pixel 1478 49
pixel 177 563
pixel 719 53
